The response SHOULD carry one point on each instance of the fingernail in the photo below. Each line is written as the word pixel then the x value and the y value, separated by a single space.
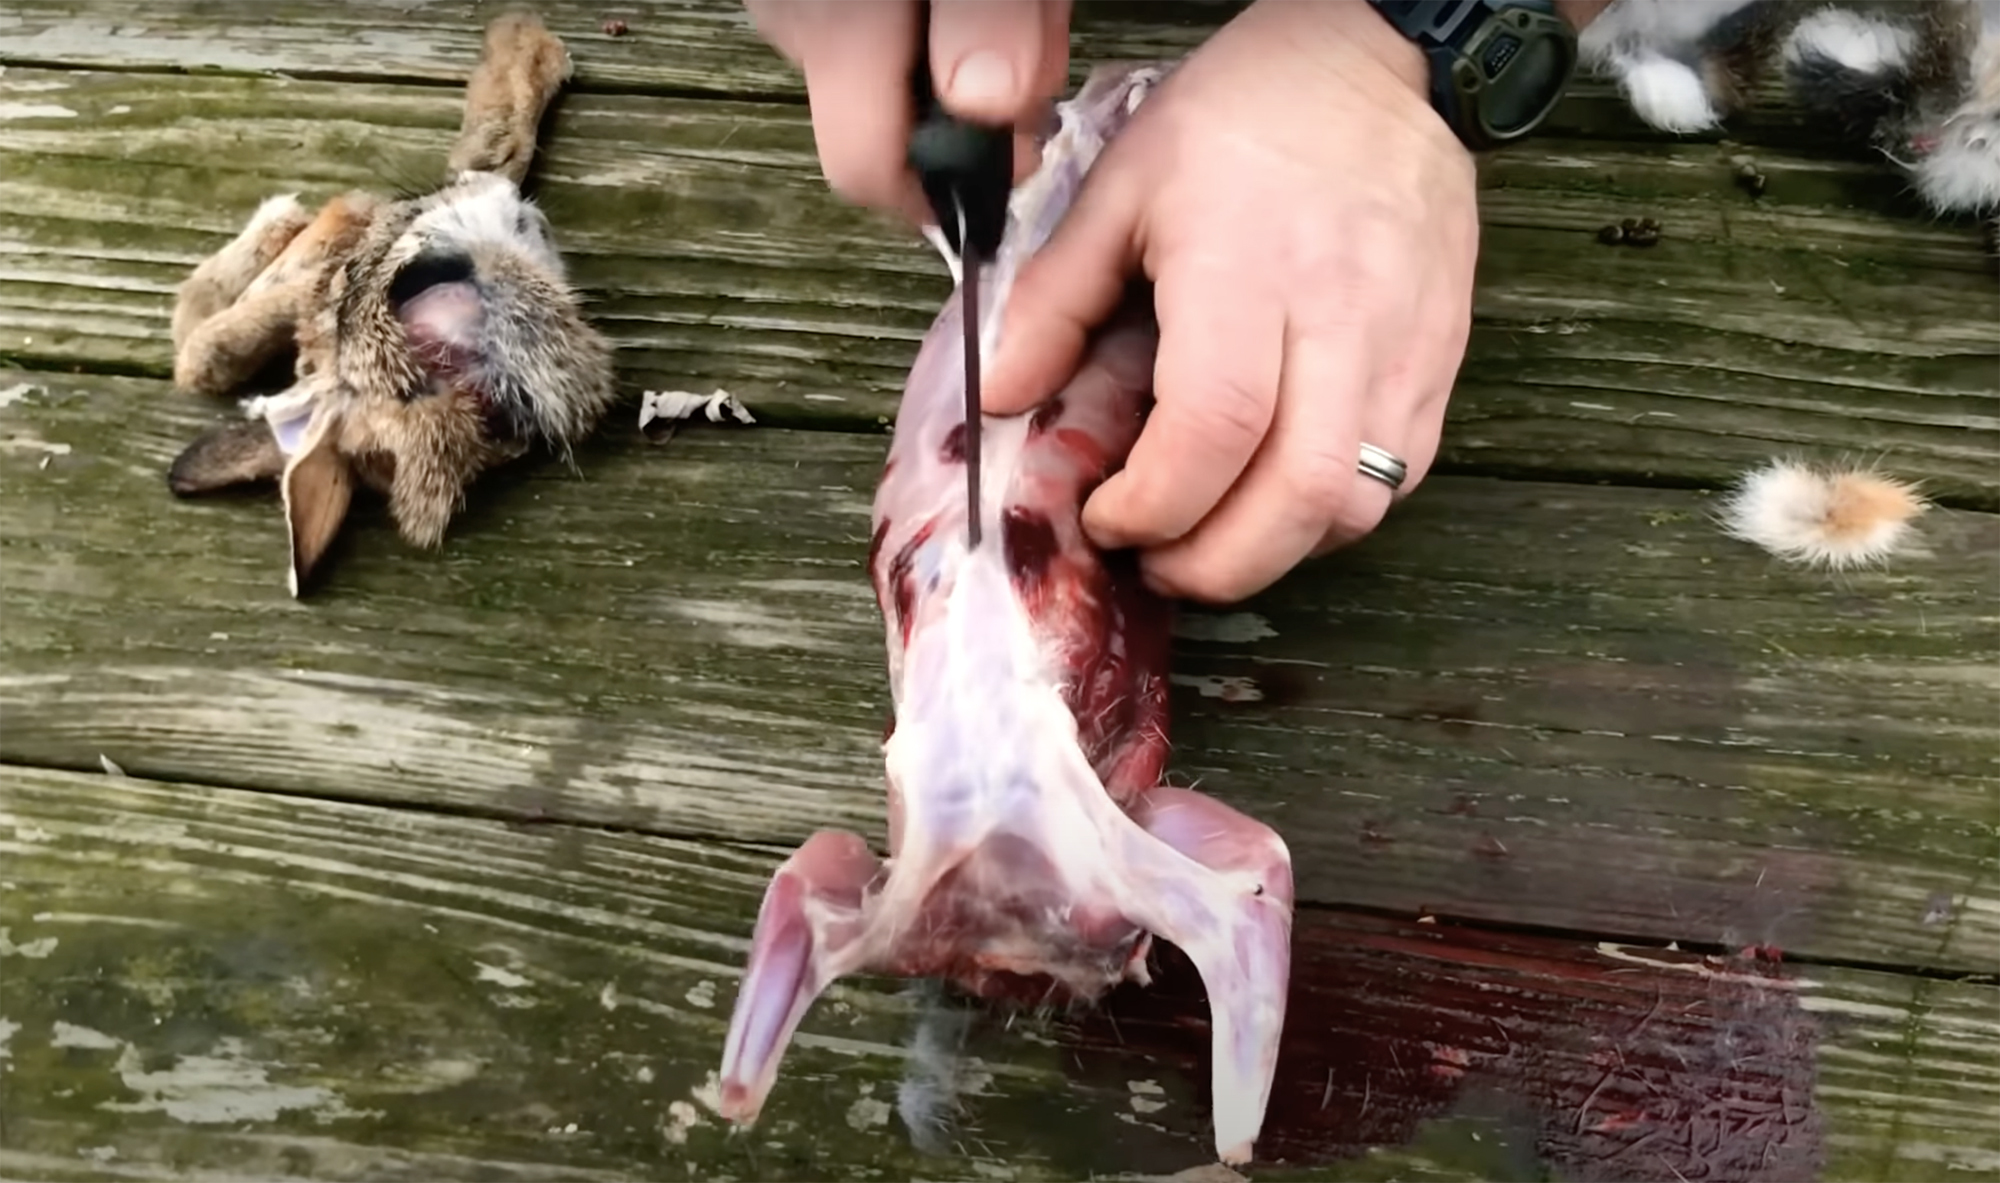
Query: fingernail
pixel 983 79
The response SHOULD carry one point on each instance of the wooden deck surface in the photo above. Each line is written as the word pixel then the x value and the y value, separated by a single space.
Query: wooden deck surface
pixel 1625 853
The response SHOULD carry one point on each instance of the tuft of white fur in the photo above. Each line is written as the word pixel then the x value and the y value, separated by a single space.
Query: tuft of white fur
pixel 1832 517
pixel 1651 48
pixel 1667 94
pixel 482 209
pixel 284 205
pixel 1963 172
pixel 927 1098
pixel 1851 40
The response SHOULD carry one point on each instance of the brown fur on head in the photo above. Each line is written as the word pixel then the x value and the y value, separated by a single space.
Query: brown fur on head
pixel 436 337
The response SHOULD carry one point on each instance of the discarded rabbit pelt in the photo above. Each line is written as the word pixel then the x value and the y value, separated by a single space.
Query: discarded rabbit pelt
pixel 437 336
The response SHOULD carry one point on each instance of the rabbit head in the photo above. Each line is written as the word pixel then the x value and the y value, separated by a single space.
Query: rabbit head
pixel 436 336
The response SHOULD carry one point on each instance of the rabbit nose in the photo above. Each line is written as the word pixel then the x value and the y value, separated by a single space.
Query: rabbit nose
pixel 439 302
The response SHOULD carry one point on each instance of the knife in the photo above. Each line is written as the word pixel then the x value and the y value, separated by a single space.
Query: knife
pixel 967 172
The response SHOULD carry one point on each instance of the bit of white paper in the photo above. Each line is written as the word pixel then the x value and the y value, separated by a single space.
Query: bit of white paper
pixel 682 404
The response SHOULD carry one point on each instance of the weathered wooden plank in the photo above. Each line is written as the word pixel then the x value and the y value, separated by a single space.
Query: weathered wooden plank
pixel 1824 314
pixel 681 46
pixel 203 983
pixel 705 47
pixel 1548 704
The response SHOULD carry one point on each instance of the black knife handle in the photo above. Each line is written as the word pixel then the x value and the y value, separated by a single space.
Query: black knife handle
pixel 959 163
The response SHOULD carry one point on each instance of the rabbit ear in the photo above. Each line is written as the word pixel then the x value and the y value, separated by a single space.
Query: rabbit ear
pixel 233 454
pixel 523 67
pixel 318 485
pixel 426 490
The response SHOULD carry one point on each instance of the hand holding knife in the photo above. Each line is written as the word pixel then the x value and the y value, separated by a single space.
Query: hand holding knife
pixel 967 172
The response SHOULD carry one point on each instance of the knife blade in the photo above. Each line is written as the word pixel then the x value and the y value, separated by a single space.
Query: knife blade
pixel 966 170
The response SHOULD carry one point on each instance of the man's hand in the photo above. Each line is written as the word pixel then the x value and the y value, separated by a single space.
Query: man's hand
pixel 1310 226
pixel 998 61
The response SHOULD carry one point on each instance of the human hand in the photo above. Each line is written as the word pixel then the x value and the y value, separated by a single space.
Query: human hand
pixel 1310 226
pixel 997 61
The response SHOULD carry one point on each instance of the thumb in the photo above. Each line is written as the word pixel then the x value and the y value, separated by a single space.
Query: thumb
pixel 994 58
pixel 1062 294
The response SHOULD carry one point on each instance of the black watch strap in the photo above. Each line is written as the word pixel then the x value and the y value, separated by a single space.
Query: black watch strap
pixel 1497 66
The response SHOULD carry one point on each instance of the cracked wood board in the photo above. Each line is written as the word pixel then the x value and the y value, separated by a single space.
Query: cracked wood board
pixel 1531 703
pixel 706 47
pixel 681 46
pixel 1827 317
pixel 206 983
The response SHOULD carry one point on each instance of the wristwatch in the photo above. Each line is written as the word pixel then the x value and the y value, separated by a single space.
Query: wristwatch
pixel 1497 66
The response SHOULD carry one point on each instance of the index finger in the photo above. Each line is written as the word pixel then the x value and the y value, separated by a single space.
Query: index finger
pixel 856 56
pixel 1067 288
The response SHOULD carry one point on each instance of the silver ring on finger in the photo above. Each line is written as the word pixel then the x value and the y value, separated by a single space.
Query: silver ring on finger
pixel 1383 466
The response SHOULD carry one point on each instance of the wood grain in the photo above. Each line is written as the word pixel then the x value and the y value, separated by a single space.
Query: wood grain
pixel 1827 315
pixel 398 947
pixel 1535 703
pixel 203 983
pixel 706 47
pixel 699 47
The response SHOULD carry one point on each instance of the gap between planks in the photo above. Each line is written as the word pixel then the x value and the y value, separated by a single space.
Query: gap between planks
pixel 1815 319
pixel 1444 918
pixel 1570 707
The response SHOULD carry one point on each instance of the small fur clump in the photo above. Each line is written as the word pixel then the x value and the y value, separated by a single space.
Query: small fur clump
pixel 927 1098
pixel 1836 518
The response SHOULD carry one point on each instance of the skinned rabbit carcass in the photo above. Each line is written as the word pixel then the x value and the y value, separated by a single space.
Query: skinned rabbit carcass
pixel 1034 853
pixel 436 336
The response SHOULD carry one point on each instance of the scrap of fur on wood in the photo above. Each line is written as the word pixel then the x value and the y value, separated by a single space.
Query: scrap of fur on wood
pixel 436 336
pixel 1835 517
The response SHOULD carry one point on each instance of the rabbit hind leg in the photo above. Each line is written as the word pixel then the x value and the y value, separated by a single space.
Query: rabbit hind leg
pixel 222 278
pixel 234 340
pixel 522 68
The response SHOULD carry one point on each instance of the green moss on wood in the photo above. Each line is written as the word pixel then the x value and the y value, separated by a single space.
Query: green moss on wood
pixel 206 983
pixel 1670 734
pixel 714 256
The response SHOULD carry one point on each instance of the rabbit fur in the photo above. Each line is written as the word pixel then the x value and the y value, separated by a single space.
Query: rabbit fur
pixel 1917 80
pixel 436 336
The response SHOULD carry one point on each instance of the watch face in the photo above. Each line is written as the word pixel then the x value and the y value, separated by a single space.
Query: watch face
pixel 1530 77
pixel 1511 72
